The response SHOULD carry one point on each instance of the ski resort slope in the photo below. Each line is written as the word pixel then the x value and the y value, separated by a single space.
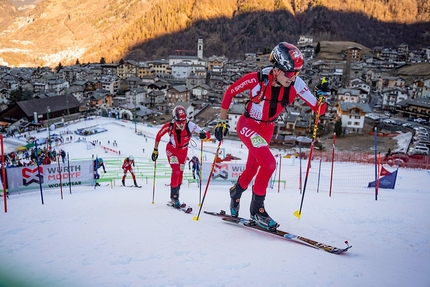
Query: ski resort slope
pixel 116 236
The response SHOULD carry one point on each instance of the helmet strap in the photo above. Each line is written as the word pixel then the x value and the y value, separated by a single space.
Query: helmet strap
pixel 275 74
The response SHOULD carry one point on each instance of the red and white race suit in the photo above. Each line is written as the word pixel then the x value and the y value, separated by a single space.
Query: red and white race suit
pixel 256 125
pixel 177 147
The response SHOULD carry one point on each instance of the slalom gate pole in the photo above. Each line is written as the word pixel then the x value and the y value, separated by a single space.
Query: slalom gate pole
pixel 319 177
pixel 153 182
pixel 298 213
pixel 59 173
pixel 273 178
pixel 332 163
pixel 201 171
pixel 68 168
pixel 375 142
pixel 38 171
pixel 279 175
pixel 379 173
pixel 3 174
pixel 209 180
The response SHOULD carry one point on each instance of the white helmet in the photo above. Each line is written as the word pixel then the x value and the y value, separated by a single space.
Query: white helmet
pixel 131 157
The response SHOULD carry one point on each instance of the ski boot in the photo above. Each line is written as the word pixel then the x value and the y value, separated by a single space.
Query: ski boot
pixel 259 214
pixel 174 196
pixel 135 183
pixel 123 182
pixel 235 193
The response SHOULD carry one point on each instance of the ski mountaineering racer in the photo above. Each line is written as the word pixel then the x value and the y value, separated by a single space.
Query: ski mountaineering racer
pixel 127 166
pixel 179 130
pixel 271 90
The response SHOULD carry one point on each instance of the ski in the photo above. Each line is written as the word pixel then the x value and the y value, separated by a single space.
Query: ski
pixel 249 223
pixel 183 207
pixel 138 186
pixel 100 185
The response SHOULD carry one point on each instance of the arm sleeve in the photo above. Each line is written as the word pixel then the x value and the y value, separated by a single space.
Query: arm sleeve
pixel 164 129
pixel 246 82
pixel 303 92
pixel 193 127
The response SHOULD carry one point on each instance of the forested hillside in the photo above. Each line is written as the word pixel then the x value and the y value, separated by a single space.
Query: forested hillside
pixel 64 30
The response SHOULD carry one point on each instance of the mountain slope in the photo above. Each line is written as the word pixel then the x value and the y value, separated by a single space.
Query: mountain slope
pixel 63 31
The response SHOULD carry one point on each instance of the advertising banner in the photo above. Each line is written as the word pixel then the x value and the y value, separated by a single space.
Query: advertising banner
pixel 224 172
pixel 28 178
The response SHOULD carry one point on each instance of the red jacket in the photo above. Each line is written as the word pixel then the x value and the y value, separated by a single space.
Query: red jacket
pixel 261 96
pixel 184 137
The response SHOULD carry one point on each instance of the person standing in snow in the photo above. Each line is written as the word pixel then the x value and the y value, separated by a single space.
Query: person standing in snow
pixel 127 166
pixel 196 166
pixel 179 130
pixel 97 163
pixel 271 90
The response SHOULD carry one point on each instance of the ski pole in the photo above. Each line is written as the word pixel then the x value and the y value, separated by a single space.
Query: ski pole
pixel 332 163
pixel 298 213
pixel 153 182
pixel 201 170
pixel 279 176
pixel 209 180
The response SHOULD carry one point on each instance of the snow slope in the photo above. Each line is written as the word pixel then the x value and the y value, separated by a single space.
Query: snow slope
pixel 115 236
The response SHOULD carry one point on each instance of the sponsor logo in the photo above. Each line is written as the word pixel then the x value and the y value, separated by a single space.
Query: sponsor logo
pixel 220 171
pixel 304 90
pixel 243 84
pixel 246 132
pixel 30 175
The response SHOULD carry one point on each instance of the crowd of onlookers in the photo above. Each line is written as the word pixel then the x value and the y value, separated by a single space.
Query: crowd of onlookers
pixel 41 155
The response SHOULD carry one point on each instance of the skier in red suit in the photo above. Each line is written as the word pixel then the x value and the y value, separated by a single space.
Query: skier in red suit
pixel 127 166
pixel 271 91
pixel 179 131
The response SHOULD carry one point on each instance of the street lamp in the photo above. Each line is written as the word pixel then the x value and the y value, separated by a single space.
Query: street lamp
pixel 48 110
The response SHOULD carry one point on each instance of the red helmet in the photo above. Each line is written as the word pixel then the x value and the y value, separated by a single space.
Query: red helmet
pixel 179 114
pixel 286 57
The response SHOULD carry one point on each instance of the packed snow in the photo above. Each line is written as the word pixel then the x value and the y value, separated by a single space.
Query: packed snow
pixel 126 236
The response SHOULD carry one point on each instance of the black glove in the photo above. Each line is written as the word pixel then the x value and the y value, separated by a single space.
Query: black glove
pixel 322 89
pixel 154 154
pixel 203 135
pixel 221 129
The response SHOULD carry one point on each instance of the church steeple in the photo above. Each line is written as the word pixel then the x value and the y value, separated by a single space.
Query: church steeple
pixel 200 48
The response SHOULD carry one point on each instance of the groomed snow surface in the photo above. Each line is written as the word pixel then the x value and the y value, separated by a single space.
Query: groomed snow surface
pixel 116 236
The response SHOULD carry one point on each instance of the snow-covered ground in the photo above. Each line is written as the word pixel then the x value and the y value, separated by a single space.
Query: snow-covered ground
pixel 116 236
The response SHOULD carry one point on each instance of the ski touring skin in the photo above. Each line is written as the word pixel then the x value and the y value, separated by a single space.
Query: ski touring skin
pixel 183 207
pixel 249 223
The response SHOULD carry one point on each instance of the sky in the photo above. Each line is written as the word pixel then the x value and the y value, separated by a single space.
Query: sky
pixel 119 236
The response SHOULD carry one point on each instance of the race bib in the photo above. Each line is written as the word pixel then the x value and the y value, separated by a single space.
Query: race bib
pixel 258 141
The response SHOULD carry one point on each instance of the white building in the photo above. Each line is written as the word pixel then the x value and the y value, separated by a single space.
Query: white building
pixel 352 116
pixel 181 70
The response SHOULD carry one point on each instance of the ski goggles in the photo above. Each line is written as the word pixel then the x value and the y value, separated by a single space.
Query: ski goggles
pixel 290 74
